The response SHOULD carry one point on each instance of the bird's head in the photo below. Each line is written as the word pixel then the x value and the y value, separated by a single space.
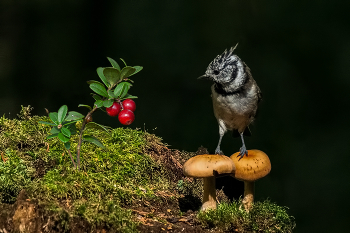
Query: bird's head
pixel 226 70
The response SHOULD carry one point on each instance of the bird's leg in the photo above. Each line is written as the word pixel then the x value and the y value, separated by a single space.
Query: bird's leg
pixel 217 150
pixel 222 131
pixel 243 151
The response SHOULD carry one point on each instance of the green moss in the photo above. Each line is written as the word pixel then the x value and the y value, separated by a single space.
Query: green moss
pixel 19 138
pixel 120 170
pixel 109 181
pixel 23 134
pixel 264 217
pixel 112 180
pixel 14 176
pixel 109 178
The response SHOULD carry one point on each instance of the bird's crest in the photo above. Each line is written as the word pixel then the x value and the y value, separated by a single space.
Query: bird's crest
pixel 225 57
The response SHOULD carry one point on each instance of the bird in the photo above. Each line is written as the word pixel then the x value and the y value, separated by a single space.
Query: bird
pixel 235 95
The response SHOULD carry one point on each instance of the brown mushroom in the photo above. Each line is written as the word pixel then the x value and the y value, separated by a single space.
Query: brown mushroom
pixel 250 168
pixel 208 167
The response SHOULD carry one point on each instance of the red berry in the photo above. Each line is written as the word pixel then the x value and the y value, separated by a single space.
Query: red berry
pixel 114 109
pixel 126 117
pixel 129 104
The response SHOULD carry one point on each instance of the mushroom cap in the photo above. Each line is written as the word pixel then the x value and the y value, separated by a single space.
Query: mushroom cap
pixel 252 167
pixel 202 166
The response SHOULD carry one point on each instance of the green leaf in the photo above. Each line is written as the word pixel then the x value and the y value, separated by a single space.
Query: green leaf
pixel 67 145
pixel 65 132
pixel 94 125
pixel 107 103
pixel 55 130
pixel 63 138
pixel 123 93
pixel 66 123
pixel 93 140
pixel 102 77
pixel 112 75
pixel 72 115
pixel 127 71
pixel 96 97
pixel 123 61
pixel 128 85
pixel 62 112
pixel 111 94
pixel 98 103
pixel 72 128
pixel 113 63
pixel 128 96
pixel 122 89
pixel 125 90
pixel 99 89
pixel 84 105
pixel 52 136
pixel 137 69
pixel 54 117
pixel 46 123
pixel 93 81
pixel 118 89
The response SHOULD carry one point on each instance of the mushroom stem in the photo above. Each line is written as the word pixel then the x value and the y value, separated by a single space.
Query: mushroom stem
pixel 248 195
pixel 209 194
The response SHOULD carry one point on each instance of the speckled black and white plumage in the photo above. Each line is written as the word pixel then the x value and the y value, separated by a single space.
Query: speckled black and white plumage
pixel 235 94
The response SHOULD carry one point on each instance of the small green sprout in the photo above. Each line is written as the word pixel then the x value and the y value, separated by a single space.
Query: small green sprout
pixel 115 87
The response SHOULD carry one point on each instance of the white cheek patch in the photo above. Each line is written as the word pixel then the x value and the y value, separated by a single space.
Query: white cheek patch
pixel 232 58
pixel 240 69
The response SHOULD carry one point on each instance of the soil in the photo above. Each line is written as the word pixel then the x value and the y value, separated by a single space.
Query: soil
pixel 28 216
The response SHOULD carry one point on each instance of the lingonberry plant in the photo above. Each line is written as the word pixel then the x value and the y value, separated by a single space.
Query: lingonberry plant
pixel 111 94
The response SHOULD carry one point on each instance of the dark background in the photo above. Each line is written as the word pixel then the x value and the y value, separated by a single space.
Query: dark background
pixel 298 51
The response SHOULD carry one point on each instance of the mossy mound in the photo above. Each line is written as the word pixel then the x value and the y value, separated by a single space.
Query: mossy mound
pixel 134 181
pixel 263 217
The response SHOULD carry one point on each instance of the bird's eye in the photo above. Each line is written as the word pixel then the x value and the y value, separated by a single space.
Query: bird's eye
pixel 216 72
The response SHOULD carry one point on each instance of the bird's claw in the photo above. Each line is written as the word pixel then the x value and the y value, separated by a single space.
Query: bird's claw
pixel 242 152
pixel 218 152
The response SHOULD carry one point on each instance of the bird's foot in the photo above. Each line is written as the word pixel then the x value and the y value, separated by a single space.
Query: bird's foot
pixel 218 151
pixel 242 152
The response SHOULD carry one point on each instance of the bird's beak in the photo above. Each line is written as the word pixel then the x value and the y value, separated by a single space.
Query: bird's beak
pixel 204 77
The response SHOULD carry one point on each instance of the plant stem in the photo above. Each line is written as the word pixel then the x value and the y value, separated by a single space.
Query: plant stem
pixel 81 135
pixel 120 103
pixel 71 158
